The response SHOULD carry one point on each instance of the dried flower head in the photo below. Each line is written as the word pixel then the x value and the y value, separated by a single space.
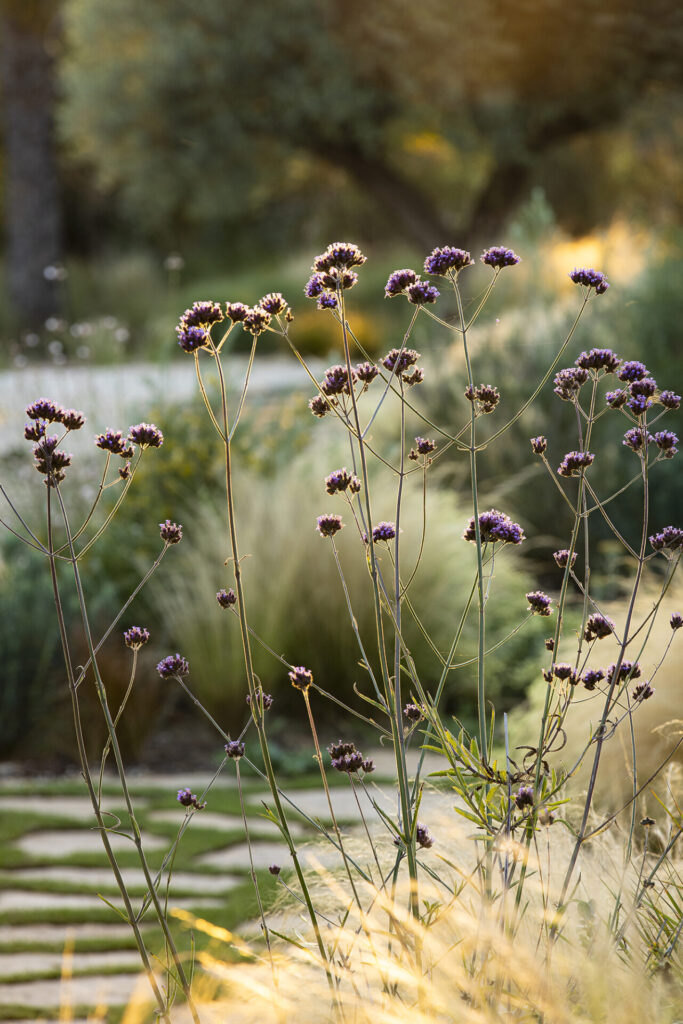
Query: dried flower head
pixel 574 463
pixel 264 700
pixel 274 869
pixel 124 472
pixel 446 258
pixel 226 598
pixel 234 749
pixel 494 526
pixel 550 644
pixel 414 376
pixel 597 628
pixel 627 669
pixel 256 321
pixel 300 677
pixel 136 637
pixel 524 797
pixel 425 446
pixel 398 360
pixel 498 256
pixel 349 763
pixel 676 620
pixel 328 525
pixel 591 279
pixel 413 712
pixel 564 671
pixel 398 282
pixel 383 531
pixel 539 603
pixel 422 837
pixel 539 444
pixel 598 359
pixel 173 665
pixel 146 435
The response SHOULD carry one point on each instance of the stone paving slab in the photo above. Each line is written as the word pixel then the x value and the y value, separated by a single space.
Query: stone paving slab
pixel 265 854
pixel 133 877
pixel 51 934
pixel 57 806
pixel 111 990
pixel 16 899
pixel 64 842
pixel 314 802
pixel 224 822
pixel 39 963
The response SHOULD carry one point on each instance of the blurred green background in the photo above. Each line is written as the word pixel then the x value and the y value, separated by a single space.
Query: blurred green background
pixel 161 152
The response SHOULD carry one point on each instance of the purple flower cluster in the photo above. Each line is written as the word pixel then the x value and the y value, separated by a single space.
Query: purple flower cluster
pixel 189 799
pixel 524 797
pixel 494 526
pixel 591 279
pixel 564 672
pixel 234 749
pixel 632 370
pixel 423 446
pixel 226 598
pixel 666 441
pixel 485 395
pixel 332 272
pixel 346 758
pixel 256 321
pixel 273 304
pixel 616 399
pixel 366 372
pixel 49 460
pixel 637 439
pixel 236 311
pixel 43 409
pixel 574 463
pixel 407 282
pixel 422 837
pixel 398 282
pixel 643 691
pixel 670 400
pixel 598 359
pixel 383 531
pixel 173 665
pixel 319 406
pixel 676 620
pixel 112 441
pixel 539 444
pixel 413 712
pixel 447 258
pixel 300 677
pixel 398 360
pixel 342 480
pixel 171 533
pixel 339 256
pixel 265 700
pixel 597 628
pixel 146 435
pixel 328 525
pixel 539 603
pixel 336 380
pixel 135 637
pixel 498 256
pixel 195 324
pixel 568 382
pixel 591 677
pixel 671 538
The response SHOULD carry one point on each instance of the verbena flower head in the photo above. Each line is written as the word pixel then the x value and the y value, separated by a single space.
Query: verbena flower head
pixel 591 677
pixel 383 531
pixel 339 256
pixel 42 409
pixel 170 532
pixel 124 472
pixel 487 396
pixel 226 598
pixel 350 762
pixel 314 286
pixel 111 441
pixel 539 444
pixel 647 387
pixel 564 671
pixel 643 691
pixel 201 314
pixel 575 462
pixel 336 380
pixel 616 399
pixel 639 404
pixel 35 430
pixel 569 382
pixel 676 620
pixel 422 837
pixel 189 799
pixel 590 279
pixel 627 669
pixel 236 311
pixel 319 406
pixel 498 256
pixel 341 480
pixel 398 282
pixel 274 869
pixel 398 360
pixel 71 418
pixel 265 700
pixel 446 258
pixel 637 438
pixel 666 441
pixel 420 293
pixel 669 399
pixel 414 376
pixel 524 797
pixel 191 339
pixel 300 677
pixel 670 538
pixel 136 637
pixel 256 321
pixel 328 525
pixel 274 304
pixel 327 301
pixel 597 628
pixel 494 526
pixel 146 435
pixel 366 372
pixel 173 665
pixel 539 603
pixel 234 749
pixel 632 370
pixel 425 446
pixel 413 712
pixel 340 748
pixel 598 359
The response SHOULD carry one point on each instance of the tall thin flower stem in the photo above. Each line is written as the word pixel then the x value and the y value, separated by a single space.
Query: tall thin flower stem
pixel 254 879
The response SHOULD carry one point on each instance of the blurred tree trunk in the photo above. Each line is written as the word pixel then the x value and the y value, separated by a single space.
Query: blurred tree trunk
pixel 32 200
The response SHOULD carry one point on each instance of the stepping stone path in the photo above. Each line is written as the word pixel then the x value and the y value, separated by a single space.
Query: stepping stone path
pixel 55 902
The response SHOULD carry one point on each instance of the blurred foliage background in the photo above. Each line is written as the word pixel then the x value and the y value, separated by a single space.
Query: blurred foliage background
pixel 156 153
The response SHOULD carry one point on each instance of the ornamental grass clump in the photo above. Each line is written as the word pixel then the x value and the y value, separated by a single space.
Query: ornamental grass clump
pixel 410 904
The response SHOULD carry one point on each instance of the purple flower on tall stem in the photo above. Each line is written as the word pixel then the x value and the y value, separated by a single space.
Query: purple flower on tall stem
pixel 666 441
pixel 539 603
pixel 676 620
pixel 236 311
pixel 670 537
pixel 274 304
pixel 597 628
pixel 383 531
pixel 111 441
pixel 72 419
pixel 201 314
pixel 420 293
pixel 34 431
pixel 327 301
pixel 398 282
pixel 616 399
pixel 539 444
pixel 172 533
pixel 632 370
pixel 173 665
pixel 494 526
pixel 234 749
pixel 670 400
pixel 328 525
pixel 590 279
pixel 146 435
pixel 446 258
pixel 366 372
pixel 598 359
pixel 189 799
pixel 575 462
pixel 263 699
pixel 319 406
pixel 300 677
pixel 637 439
pixel 226 598
pixel 422 837
pixel 191 339
pixel 42 409
pixel 398 360
pixel 498 256
pixel 591 677
pixel 136 637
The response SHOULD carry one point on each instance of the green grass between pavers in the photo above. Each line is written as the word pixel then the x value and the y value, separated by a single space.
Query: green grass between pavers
pixel 9 1011
pixel 54 973
pixel 103 944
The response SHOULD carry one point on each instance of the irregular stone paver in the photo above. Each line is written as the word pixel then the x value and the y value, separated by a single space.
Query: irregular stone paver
pixel 51 934
pixel 57 806
pixel 133 877
pixel 12 964
pixel 265 854
pixel 314 802
pixel 16 899
pixel 62 843
pixel 111 990
pixel 224 822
